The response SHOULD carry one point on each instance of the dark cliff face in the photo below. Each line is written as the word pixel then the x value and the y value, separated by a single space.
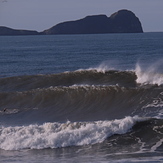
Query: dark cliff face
pixel 11 32
pixel 123 21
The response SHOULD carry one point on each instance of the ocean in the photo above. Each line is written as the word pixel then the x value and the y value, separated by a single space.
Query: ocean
pixel 81 98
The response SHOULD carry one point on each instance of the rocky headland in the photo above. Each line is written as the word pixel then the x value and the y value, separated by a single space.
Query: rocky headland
pixel 123 21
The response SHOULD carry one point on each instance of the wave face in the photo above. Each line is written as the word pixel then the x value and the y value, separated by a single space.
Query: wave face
pixel 81 107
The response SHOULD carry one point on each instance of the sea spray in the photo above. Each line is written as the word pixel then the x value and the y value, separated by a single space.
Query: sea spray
pixel 104 66
pixel 151 74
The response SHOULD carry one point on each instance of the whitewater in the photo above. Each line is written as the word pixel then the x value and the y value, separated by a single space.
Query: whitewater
pixel 54 135
pixel 81 98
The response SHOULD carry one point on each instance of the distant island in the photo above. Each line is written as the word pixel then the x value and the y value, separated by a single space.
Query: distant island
pixel 123 21
pixel 5 31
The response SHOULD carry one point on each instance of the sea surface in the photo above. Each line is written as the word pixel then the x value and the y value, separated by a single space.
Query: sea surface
pixel 81 98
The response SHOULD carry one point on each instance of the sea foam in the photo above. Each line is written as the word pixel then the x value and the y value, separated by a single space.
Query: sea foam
pixel 57 135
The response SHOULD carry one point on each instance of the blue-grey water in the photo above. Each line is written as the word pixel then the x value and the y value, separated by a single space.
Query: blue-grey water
pixel 81 98
pixel 26 55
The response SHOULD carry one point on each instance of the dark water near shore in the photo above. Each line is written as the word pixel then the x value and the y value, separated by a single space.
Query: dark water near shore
pixel 81 98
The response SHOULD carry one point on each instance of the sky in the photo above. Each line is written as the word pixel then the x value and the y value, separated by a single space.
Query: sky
pixel 43 14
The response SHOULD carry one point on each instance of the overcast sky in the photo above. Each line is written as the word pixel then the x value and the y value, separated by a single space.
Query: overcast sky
pixel 43 14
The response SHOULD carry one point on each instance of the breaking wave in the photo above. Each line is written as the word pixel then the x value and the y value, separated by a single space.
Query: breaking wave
pixel 80 103
pixel 56 135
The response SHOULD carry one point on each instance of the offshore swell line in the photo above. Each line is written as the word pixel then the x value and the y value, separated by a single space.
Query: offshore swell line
pixel 92 76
